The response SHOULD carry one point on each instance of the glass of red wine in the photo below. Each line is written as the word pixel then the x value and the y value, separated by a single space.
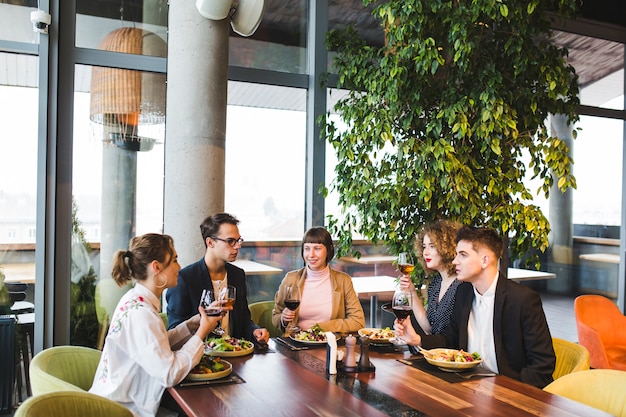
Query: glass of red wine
pixel 292 302
pixel 212 307
pixel 401 305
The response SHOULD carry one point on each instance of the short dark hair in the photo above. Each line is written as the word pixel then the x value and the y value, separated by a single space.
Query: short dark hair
pixel 481 237
pixel 319 235
pixel 211 224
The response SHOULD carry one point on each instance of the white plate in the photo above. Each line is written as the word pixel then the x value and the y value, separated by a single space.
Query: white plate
pixel 369 331
pixel 451 366
pixel 309 342
pixel 215 375
pixel 228 353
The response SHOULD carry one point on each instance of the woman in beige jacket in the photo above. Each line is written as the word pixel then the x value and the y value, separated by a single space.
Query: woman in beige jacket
pixel 328 298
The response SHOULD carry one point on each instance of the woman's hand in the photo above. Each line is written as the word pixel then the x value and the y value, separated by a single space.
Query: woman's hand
pixel 405 330
pixel 286 316
pixel 207 323
pixel 405 282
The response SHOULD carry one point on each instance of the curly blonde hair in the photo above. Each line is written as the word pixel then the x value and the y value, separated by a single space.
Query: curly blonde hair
pixel 442 234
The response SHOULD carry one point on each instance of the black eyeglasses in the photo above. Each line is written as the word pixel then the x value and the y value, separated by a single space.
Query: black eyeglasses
pixel 230 241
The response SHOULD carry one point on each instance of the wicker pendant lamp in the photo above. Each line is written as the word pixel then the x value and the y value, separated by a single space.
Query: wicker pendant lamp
pixel 123 99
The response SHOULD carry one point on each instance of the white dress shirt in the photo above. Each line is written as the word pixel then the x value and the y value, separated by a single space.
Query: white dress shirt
pixel 480 327
pixel 137 363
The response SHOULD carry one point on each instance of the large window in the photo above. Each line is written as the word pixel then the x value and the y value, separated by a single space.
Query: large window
pixel 265 159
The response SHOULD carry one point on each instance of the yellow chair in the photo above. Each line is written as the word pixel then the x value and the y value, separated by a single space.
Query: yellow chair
pixel 570 357
pixel 599 388
pixel 261 313
pixel 71 404
pixel 63 368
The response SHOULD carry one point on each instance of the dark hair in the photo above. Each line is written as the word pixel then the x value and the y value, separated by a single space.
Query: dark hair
pixel 211 224
pixel 319 235
pixel 133 263
pixel 442 234
pixel 481 237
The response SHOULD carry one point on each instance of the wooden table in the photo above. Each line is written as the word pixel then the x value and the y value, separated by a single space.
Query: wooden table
pixel 516 274
pixel 611 258
pixel 370 260
pixel 374 287
pixel 16 272
pixel 288 383
pixel 256 268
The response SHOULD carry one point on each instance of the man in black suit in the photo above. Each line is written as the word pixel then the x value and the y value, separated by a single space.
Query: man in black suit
pixel 498 318
pixel 223 241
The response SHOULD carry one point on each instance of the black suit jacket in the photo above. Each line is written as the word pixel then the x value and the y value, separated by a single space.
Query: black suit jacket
pixel 523 343
pixel 184 298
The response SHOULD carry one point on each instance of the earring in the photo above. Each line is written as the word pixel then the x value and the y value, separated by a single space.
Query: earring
pixel 160 285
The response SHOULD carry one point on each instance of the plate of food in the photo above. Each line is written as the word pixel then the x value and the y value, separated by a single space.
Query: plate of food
pixel 228 346
pixel 210 368
pixel 452 360
pixel 378 335
pixel 314 336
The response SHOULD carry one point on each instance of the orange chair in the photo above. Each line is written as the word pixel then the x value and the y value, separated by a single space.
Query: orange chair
pixel 602 330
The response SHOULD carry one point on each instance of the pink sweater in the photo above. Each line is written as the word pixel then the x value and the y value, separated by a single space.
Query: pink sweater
pixel 317 298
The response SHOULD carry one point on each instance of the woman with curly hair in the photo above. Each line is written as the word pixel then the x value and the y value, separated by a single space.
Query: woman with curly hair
pixel 435 249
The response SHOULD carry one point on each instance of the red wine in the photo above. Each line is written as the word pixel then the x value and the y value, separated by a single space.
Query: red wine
pixel 406 269
pixel 211 311
pixel 292 304
pixel 402 312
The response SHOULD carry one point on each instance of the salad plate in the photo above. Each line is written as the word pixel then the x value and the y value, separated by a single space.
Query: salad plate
pixel 227 346
pixel 314 336
pixel 210 368
pixel 378 335
pixel 453 360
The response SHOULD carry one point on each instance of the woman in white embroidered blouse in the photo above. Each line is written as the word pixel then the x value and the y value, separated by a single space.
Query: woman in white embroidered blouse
pixel 138 360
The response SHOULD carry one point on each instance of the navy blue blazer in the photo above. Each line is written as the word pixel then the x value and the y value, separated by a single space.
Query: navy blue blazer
pixel 523 343
pixel 184 298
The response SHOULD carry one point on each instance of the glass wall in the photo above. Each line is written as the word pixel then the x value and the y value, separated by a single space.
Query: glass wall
pixel 266 142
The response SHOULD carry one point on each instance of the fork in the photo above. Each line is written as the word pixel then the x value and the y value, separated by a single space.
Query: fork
pixel 468 376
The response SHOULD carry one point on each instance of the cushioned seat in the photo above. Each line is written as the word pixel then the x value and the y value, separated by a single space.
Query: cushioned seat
pixel 570 357
pixel 602 330
pixel 598 388
pixel 71 404
pixel 63 368
pixel 261 313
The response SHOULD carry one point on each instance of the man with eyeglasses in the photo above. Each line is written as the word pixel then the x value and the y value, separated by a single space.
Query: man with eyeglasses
pixel 214 271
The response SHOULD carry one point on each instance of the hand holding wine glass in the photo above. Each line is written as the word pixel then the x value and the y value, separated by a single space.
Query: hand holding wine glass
pixel 401 305
pixel 292 302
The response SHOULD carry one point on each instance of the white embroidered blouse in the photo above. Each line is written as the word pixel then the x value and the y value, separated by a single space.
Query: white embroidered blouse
pixel 137 362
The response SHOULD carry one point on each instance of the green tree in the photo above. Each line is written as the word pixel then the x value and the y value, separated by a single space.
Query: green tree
pixel 445 118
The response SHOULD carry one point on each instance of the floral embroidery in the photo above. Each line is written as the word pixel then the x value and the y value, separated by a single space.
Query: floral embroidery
pixel 122 314
pixel 104 371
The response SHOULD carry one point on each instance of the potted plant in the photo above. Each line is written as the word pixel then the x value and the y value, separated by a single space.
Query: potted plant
pixel 446 119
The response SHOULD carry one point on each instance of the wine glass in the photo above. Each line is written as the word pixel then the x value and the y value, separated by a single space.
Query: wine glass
pixel 405 263
pixel 292 302
pixel 401 305
pixel 226 296
pixel 207 302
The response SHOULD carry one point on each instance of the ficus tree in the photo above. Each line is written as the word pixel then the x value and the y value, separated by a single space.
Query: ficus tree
pixel 447 119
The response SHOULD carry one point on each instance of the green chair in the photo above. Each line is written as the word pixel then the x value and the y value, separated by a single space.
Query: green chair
pixel 71 404
pixel 261 313
pixel 599 388
pixel 570 357
pixel 63 368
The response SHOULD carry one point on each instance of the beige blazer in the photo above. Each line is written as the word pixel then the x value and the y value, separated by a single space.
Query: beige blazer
pixel 347 315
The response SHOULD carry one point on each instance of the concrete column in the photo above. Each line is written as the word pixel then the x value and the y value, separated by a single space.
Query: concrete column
pixel 561 219
pixel 197 70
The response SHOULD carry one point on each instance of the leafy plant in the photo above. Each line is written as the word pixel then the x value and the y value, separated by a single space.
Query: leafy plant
pixel 84 322
pixel 446 119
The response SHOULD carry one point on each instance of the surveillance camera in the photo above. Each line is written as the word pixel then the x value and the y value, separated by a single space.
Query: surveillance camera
pixel 41 20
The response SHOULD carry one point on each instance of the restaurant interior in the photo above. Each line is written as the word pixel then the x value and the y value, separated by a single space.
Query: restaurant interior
pixel 223 117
